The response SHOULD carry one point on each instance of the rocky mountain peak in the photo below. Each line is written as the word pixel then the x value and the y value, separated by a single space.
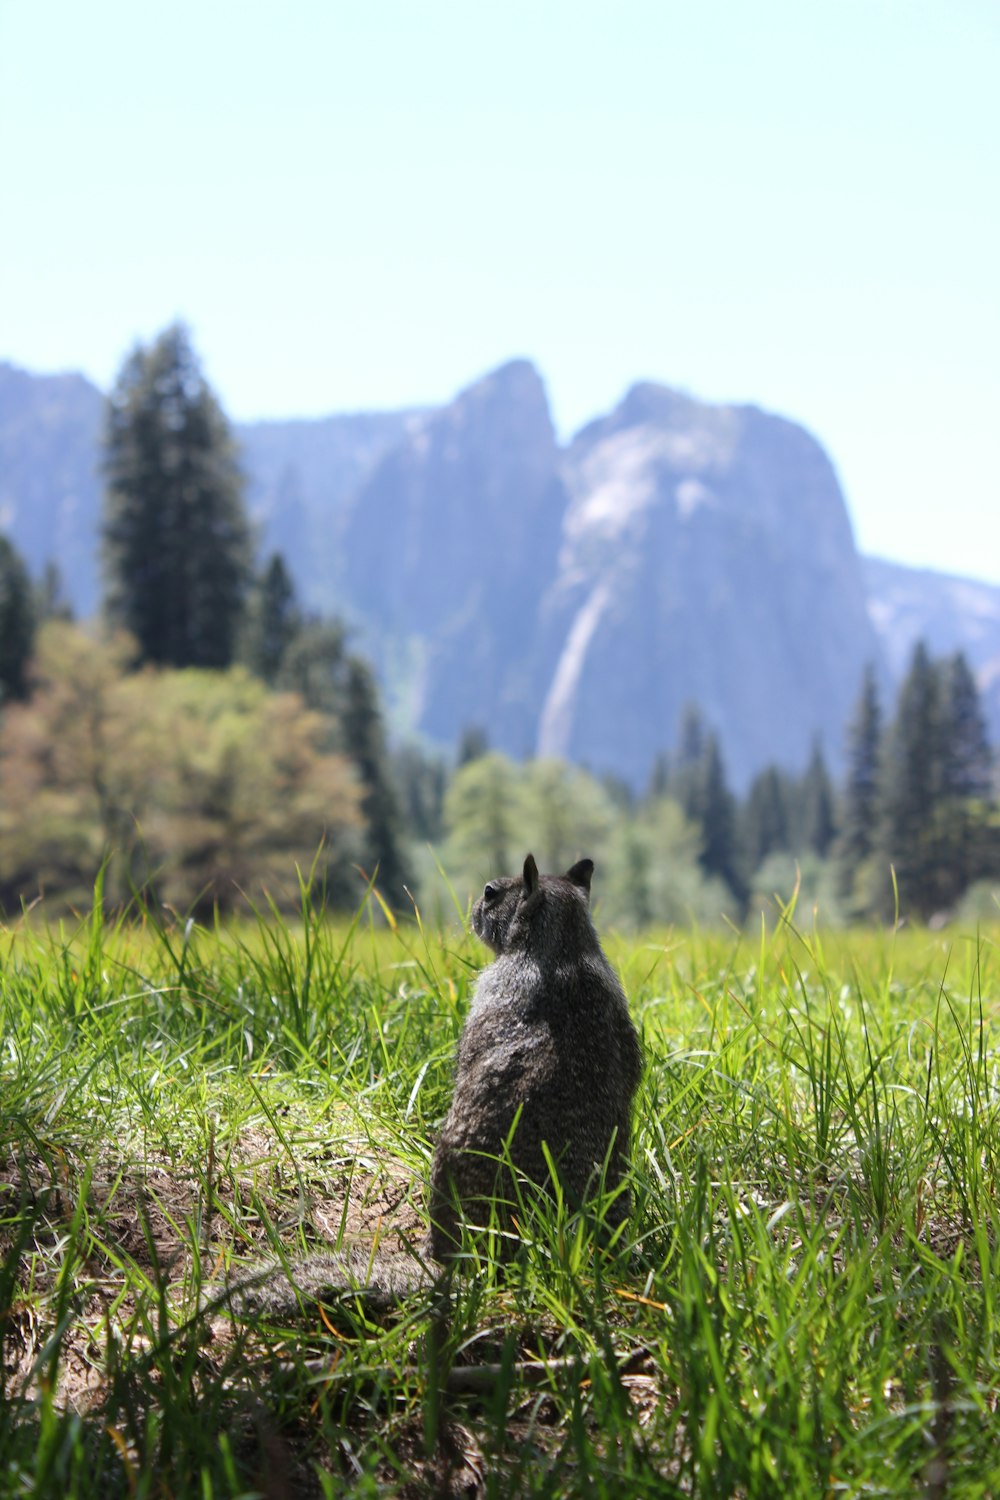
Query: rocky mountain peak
pixel 707 558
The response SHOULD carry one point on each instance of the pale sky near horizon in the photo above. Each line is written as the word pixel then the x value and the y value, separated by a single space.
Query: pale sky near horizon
pixel 368 206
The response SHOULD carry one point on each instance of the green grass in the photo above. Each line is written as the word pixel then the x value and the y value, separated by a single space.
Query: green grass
pixel 807 1306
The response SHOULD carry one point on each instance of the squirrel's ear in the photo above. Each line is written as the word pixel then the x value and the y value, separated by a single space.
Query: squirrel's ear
pixel 581 873
pixel 530 876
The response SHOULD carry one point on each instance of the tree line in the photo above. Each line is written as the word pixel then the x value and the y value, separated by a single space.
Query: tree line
pixel 213 735
pixel 210 736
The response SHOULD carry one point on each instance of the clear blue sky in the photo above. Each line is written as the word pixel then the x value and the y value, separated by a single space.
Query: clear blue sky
pixel 366 205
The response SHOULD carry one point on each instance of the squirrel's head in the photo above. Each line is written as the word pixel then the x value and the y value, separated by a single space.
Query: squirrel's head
pixel 514 907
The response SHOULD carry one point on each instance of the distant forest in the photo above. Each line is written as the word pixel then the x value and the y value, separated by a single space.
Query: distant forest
pixel 212 743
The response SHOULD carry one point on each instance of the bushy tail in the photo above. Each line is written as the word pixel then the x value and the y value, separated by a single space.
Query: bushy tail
pixel 281 1292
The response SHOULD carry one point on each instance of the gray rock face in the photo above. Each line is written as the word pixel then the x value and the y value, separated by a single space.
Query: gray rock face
pixel 300 478
pixel 948 614
pixel 450 546
pixel 707 557
pixel 50 485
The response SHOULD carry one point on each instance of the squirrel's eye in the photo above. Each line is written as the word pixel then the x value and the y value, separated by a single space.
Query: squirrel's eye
pixel 490 892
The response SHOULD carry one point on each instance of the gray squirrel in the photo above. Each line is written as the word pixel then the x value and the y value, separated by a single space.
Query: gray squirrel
pixel 548 1065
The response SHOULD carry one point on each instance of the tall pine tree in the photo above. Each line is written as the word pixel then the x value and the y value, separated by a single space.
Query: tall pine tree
pixel 816 811
pixel 364 741
pixel 766 817
pixel 966 779
pixel 17 622
pixel 911 786
pixel 861 792
pixel 274 620
pixel 176 537
pixel 715 810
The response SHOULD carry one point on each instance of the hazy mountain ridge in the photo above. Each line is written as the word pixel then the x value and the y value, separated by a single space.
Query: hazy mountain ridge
pixel 449 546
pixel 570 599
pixel 301 475
pixel 50 484
pixel 948 612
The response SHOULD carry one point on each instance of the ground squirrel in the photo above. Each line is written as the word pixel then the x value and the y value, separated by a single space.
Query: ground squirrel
pixel 549 1043
pixel 548 1057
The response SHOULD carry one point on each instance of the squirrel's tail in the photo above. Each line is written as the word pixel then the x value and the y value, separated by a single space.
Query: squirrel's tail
pixel 277 1291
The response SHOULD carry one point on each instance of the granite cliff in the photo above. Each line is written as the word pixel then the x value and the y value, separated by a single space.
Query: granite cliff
pixel 707 557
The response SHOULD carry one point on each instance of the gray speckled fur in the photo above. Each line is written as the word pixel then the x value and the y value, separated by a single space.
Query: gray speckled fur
pixel 380 1280
pixel 549 1034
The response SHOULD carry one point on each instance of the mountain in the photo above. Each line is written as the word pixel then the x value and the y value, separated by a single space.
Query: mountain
pixel 450 545
pixel 707 558
pixel 949 614
pixel 574 601
pixel 570 600
pixel 50 486
pixel 300 478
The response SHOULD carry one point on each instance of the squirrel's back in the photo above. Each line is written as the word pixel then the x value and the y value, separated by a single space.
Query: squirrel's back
pixel 548 1043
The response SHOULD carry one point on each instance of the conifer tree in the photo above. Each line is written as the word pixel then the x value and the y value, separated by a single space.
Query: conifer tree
pixel 911 786
pixel 766 817
pixel 861 790
pixel 273 620
pixel 422 779
pixel 817 816
pixel 715 811
pixel 473 744
pixel 660 777
pixel 314 665
pixel 176 538
pixel 17 622
pixel 966 778
pixel 968 760
pixel 364 742
pixel 50 597
pixel 686 776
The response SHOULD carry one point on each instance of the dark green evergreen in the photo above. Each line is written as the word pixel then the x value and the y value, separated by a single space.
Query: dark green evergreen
pixel 966 780
pixel 687 764
pixel 714 809
pixel 660 777
pixel 968 761
pixel 687 770
pixel 51 602
pixel 911 786
pixel 473 744
pixel 364 742
pixel 274 620
pixel 692 737
pixel 17 622
pixel 861 790
pixel 176 537
pixel 422 779
pixel 314 665
pixel 766 817
pixel 817 814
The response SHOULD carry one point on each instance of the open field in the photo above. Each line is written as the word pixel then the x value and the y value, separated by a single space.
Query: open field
pixel 808 1305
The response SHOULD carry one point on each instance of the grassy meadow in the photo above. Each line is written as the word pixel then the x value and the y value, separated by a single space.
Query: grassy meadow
pixel 807 1304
